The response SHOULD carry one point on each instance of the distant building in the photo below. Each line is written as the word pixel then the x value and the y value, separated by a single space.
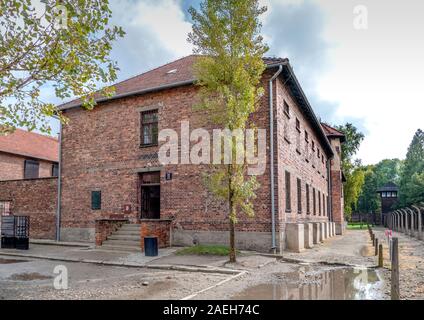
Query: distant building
pixel 28 155
pixel 389 197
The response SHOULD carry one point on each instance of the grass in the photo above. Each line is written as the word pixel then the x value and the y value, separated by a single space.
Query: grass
pixel 356 226
pixel 213 250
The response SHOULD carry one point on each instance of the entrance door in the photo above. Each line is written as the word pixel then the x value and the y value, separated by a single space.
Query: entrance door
pixel 150 195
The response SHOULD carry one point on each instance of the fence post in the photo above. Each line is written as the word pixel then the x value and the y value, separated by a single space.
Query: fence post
pixel 376 246
pixel 395 293
pixel 380 256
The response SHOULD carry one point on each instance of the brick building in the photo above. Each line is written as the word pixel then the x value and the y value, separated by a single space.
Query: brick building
pixel 111 173
pixel 28 179
pixel 28 155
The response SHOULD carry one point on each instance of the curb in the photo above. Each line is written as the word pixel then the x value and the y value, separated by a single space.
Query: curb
pixel 130 265
pixel 60 243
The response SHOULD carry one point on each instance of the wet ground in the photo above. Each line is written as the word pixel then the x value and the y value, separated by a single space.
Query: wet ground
pixel 34 279
pixel 339 268
pixel 309 283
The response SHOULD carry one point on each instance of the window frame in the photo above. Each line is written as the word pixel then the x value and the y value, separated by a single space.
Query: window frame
pixel 149 123
pixel 299 196
pixel 93 204
pixel 288 191
pixel 34 162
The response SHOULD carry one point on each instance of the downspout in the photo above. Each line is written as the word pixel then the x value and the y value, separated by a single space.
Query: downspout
pixel 59 186
pixel 330 194
pixel 271 143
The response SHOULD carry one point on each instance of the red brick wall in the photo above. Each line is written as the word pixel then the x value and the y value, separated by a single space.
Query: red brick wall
pixel 156 228
pixel 11 167
pixel 105 228
pixel 36 198
pixel 101 151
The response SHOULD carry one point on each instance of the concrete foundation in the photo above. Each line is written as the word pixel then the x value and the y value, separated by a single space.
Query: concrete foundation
pixel 295 237
pixel 339 228
pixel 309 235
pixel 77 234
pixel 323 233
pixel 316 226
pixel 257 241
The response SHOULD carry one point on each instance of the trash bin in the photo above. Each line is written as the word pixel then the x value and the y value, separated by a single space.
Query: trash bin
pixel 150 246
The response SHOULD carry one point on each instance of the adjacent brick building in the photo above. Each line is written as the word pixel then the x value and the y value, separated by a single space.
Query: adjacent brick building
pixel 111 172
pixel 28 180
pixel 28 155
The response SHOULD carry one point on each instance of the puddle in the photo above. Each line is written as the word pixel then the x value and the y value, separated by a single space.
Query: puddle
pixel 309 284
pixel 367 251
pixel 10 261
pixel 28 276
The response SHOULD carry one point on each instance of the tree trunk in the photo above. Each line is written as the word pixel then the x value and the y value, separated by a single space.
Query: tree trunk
pixel 232 242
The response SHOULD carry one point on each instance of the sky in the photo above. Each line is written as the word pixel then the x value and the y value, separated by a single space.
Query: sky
pixel 357 61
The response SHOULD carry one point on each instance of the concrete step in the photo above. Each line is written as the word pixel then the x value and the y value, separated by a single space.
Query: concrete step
pixel 130 227
pixel 116 236
pixel 127 233
pixel 123 242
pixel 120 247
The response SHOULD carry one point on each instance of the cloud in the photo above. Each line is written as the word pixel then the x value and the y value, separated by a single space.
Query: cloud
pixel 294 29
pixel 156 33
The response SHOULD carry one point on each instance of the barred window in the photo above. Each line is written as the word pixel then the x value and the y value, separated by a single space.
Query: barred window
pixel 314 201
pixel 299 196
pixel 308 209
pixel 149 128
pixel 288 192
pixel 319 202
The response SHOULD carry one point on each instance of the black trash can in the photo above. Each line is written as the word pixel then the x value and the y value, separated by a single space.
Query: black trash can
pixel 150 246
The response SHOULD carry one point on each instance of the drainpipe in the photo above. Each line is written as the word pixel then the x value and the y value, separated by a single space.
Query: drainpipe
pixel 271 143
pixel 330 195
pixel 59 186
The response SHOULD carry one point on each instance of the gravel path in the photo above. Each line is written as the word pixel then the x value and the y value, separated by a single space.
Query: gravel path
pixel 411 258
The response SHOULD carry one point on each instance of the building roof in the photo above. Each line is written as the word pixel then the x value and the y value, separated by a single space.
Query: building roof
pixel 388 187
pixel 180 73
pixel 30 144
pixel 332 132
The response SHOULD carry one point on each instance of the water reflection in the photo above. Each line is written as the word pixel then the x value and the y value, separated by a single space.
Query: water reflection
pixel 309 284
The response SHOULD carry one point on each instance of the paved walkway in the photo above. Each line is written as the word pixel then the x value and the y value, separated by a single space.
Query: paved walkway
pixel 353 248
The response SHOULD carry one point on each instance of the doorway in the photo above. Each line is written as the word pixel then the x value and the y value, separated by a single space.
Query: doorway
pixel 150 195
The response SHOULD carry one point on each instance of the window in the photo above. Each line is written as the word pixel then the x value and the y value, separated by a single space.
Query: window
pixel 5 207
pixel 308 209
pixel 314 201
pixel 319 202
pixel 96 200
pixel 149 128
pixel 298 140
pixel 384 194
pixel 55 169
pixel 299 196
pixel 288 192
pixel 286 109
pixel 323 204
pixel 31 169
pixel 313 145
pixel 318 154
pixel 322 159
pixel 307 151
pixel 286 130
pixel 297 124
pixel 306 136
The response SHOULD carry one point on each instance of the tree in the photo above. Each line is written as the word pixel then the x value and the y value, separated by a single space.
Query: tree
pixel 387 170
pixel 63 45
pixel 411 189
pixel 351 167
pixel 226 34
